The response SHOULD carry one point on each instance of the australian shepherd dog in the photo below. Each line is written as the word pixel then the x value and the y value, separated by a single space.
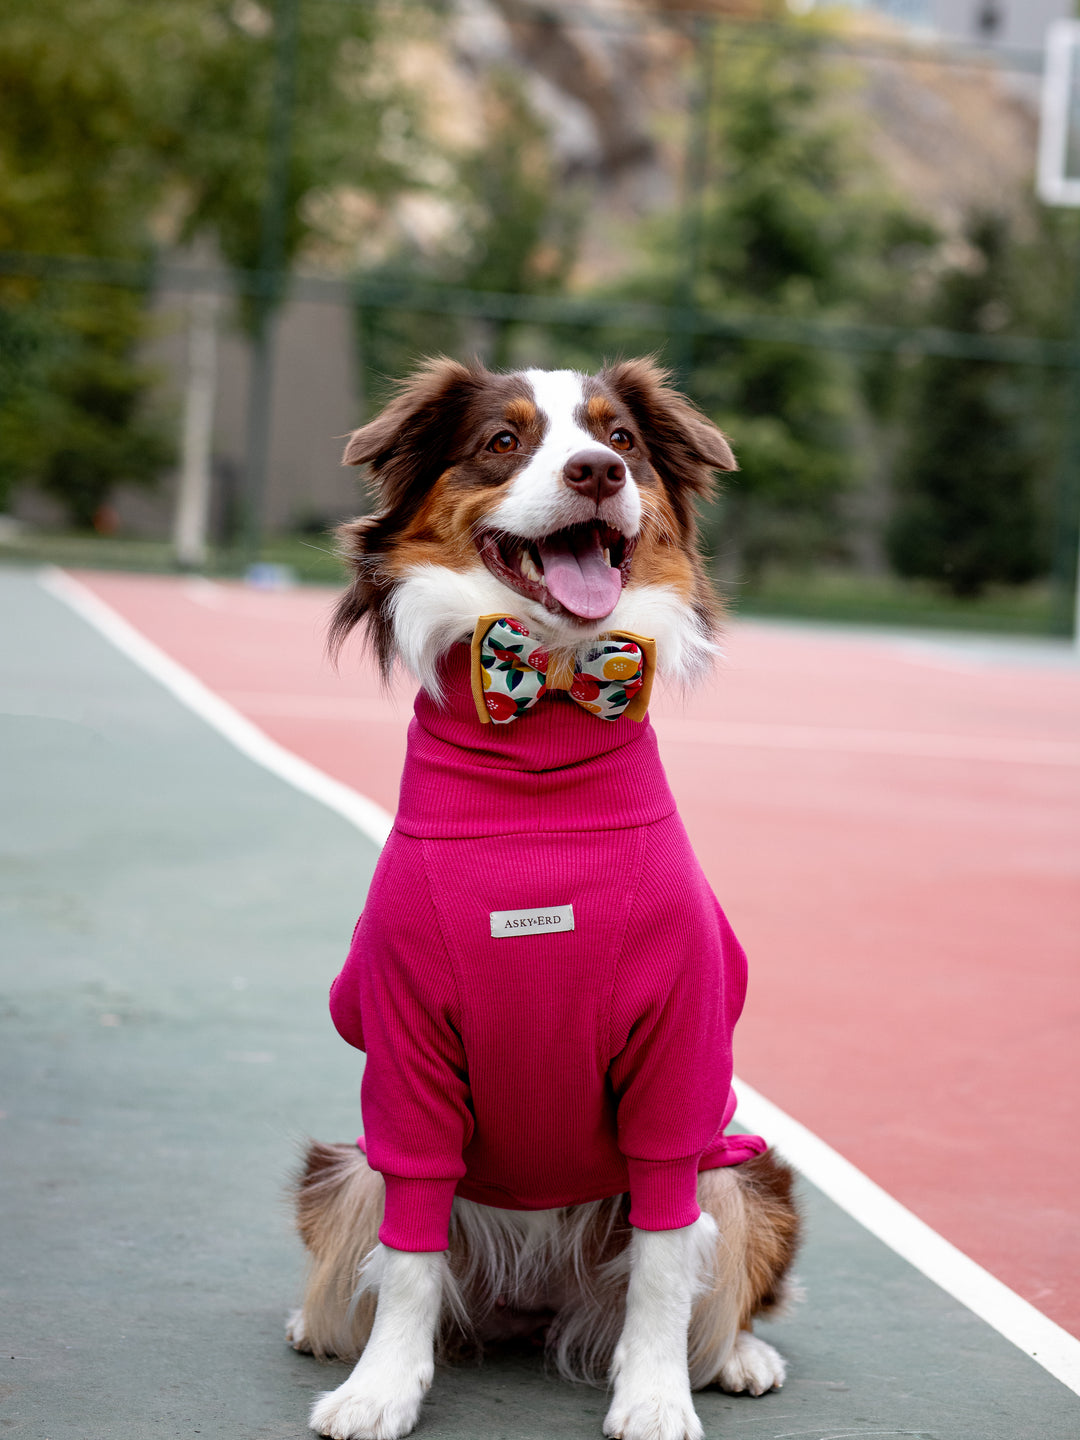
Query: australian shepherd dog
pixel 545 1150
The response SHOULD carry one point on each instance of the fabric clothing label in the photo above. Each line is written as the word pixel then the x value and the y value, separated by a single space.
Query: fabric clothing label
pixel 531 922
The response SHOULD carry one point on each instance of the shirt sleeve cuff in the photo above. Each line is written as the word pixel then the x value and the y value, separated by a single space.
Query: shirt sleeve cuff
pixel 417 1214
pixel 663 1193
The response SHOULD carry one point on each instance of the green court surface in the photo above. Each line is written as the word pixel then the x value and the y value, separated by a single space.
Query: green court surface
pixel 171 918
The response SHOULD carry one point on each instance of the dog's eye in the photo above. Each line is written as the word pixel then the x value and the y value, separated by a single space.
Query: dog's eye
pixel 504 443
pixel 622 440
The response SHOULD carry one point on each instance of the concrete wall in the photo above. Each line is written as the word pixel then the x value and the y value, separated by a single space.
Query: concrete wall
pixel 315 403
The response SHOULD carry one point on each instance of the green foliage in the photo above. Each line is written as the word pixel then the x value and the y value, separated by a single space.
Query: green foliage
pixel 522 233
pixel 72 400
pixel 74 173
pixel 120 125
pixel 25 346
pixel 71 391
pixel 222 98
pixel 967 512
pixel 92 417
pixel 795 224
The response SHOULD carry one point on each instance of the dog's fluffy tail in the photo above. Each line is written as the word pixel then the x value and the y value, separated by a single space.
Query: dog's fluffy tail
pixel 758 1226
pixel 339 1204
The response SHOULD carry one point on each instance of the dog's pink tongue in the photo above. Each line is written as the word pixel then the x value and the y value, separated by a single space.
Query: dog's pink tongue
pixel 578 575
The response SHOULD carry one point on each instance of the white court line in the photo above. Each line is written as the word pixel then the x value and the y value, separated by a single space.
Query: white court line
pixel 371 819
pixel 866 1202
pixel 875 1209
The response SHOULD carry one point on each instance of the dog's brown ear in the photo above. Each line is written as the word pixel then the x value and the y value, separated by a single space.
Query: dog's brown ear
pixel 408 446
pixel 684 444
pixel 360 600
pixel 407 443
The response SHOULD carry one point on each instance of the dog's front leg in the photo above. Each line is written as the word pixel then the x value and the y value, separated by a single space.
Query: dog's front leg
pixel 649 1371
pixel 381 1398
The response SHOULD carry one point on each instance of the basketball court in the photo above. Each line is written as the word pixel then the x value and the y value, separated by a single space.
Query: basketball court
pixel 193 806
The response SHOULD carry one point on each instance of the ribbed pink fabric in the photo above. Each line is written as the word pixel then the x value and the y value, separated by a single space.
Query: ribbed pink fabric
pixel 544 1069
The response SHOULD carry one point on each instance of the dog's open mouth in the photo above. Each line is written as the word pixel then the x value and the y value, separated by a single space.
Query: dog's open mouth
pixel 578 572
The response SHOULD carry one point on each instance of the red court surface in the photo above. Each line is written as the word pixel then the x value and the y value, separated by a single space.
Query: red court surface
pixel 894 829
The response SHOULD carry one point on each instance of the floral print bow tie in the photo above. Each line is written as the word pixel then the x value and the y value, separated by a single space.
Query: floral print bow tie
pixel 511 672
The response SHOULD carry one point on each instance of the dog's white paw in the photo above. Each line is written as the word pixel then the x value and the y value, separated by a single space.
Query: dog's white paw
pixel 752 1366
pixel 653 1406
pixel 371 1406
pixel 296 1332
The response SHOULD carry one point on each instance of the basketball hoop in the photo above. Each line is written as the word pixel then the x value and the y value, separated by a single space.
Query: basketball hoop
pixel 1058 180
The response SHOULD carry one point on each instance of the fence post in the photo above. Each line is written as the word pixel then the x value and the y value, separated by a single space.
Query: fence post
pixel 193 493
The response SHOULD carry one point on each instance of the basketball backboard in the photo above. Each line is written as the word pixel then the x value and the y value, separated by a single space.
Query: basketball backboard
pixel 1059 133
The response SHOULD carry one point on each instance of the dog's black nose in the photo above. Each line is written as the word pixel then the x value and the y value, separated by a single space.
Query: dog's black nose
pixel 596 473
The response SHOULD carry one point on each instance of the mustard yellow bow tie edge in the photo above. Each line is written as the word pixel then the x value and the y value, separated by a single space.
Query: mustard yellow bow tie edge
pixel 563 678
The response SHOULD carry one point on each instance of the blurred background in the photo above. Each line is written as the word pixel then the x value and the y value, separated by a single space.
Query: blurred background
pixel 226 228
pixel 227 225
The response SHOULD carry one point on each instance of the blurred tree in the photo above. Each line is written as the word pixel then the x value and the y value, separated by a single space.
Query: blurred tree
pixel 523 225
pixel 124 126
pixel 798 224
pixel 213 113
pixel 516 232
pixel 968 511
pixel 791 220
pixel 69 184
pixel 73 416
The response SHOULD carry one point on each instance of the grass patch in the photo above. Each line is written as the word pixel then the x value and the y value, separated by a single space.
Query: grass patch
pixel 850 598
pixel 311 557
pixel 841 596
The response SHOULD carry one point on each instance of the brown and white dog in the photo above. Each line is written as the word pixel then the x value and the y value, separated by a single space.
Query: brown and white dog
pixel 568 501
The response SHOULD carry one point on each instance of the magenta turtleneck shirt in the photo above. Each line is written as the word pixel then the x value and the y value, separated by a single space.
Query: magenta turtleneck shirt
pixel 540 1069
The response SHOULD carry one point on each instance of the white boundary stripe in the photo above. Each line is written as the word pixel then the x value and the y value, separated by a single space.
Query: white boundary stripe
pixel 866 1202
pixel 875 1209
pixel 371 819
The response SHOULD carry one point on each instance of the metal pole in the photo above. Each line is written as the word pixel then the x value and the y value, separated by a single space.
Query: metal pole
pixel 1071 498
pixel 1069 512
pixel 1065 570
pixel 695 178
pixel 271 265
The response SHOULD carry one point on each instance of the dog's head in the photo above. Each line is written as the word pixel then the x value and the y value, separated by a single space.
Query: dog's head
pixel 566 500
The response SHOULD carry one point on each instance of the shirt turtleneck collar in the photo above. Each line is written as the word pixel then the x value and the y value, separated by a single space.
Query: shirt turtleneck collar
pixel 555 768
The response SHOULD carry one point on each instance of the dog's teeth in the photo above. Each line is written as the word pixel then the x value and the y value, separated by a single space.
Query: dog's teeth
pixel 528 569
pixel 607 556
